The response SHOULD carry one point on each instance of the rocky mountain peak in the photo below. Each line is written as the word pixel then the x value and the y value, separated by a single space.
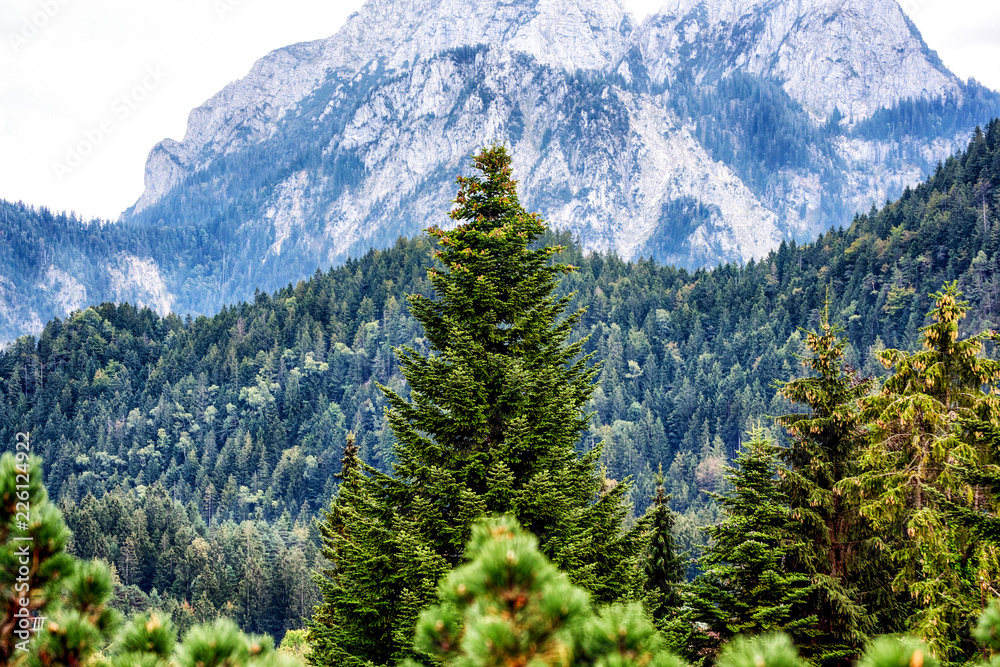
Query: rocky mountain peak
pixel 567 34
pixel 853 55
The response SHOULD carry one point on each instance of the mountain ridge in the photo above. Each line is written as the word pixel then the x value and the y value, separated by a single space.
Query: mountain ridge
pixel 642 64
pixel 665 145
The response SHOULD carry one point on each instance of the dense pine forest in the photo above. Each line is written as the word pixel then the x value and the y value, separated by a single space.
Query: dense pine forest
pixel 193 456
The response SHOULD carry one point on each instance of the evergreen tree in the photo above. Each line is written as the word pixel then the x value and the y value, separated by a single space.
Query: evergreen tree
pixel 491 426
pixel 852 597
pixel 83 625
pixel 34 565
pixel 664 567
pixel 770 650
pixel 509 606
pixel 368 587
pixel 915 432
pixel 744 587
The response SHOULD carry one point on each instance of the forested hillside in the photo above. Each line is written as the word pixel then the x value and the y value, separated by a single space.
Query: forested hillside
pixel 199 450
pixel 54 264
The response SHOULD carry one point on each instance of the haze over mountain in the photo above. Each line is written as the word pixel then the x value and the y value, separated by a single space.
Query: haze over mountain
pixel 710 132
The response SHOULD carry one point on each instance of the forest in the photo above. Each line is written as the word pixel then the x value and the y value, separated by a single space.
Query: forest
pixel 193 456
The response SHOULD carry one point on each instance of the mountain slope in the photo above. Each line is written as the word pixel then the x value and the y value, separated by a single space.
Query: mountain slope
pixel 249 408
pixel 56 264
pixel 855 57
pixel 710 132
pixel 390 35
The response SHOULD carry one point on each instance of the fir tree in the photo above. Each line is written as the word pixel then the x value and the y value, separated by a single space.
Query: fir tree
pixel 915 432
pixel 369 586
pixel 491 426
pixel 852 596
pixel 744 587
pixel 664 567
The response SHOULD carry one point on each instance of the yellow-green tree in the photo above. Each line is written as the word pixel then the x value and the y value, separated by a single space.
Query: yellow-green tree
pixel 915 435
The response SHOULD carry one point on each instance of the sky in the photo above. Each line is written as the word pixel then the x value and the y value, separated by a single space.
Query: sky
pixel 117 76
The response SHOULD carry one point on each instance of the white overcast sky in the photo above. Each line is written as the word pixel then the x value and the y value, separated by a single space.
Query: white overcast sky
pixel 65 81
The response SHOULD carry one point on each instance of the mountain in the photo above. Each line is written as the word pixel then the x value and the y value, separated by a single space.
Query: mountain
pixel 242 415
pixel 710 132
pixel 856 57
pixel 54 264
pixel 704 134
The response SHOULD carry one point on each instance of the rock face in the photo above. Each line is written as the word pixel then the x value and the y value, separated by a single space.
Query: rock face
pixel 710 132
pixel 857 56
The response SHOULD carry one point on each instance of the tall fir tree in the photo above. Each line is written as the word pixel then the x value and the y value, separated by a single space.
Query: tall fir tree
pixel 836 549
pixel 664 566
pixel 491 426
pixel 666 594
pixel 744 587
pixel 915 432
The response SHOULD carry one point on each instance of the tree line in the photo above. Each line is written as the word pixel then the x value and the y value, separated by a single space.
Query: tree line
pixel 236 421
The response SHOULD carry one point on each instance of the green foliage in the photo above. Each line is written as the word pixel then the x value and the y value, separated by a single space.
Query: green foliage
pixel 295 642
pixel 769 650
pixel 745 587
pixel 223 645
pixel 491 425
pixel 664 566
pixel 898 652
pixel 837 549
pixel 915 432
pixel 987 631
pixel 510 605
pixel 148 638
pixel 34 566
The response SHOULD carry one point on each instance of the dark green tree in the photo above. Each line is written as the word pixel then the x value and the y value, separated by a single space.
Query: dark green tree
pixel 852 596
pixel 664 566
pixel 491 426
pixel 744 587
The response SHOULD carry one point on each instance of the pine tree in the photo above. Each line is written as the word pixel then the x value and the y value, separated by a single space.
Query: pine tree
pixel 491 426
pixel 34 564
pixel 744 587
pixel 915 432
pixel 83 625
pixel 770 650
pixel 149 641
pixel 510 606
pixel 852 596
pixel 898 652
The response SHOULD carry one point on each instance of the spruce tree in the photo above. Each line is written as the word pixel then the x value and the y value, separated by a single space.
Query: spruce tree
pixel 664 567
pixel 666 592
pixel 744 587
pixel 836 549
pixel 915 432
pixel 491 426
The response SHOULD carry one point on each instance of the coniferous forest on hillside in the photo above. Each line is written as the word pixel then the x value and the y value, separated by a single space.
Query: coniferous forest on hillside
pixel 483 447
